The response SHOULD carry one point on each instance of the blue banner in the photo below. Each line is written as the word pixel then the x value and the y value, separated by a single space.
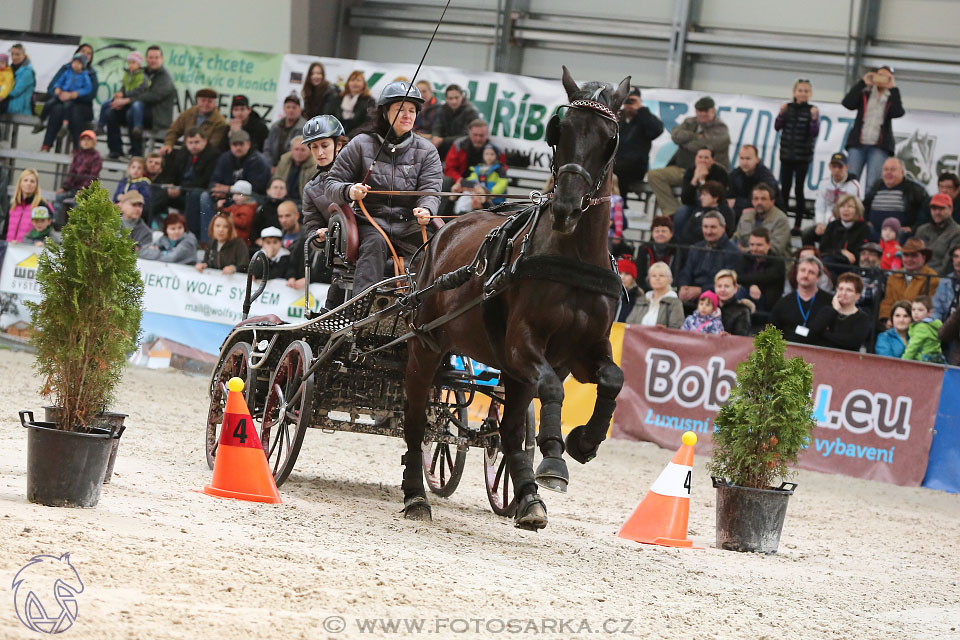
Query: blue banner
pixel 943 467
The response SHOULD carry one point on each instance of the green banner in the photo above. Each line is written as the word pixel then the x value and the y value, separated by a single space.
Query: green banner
pixel 227 72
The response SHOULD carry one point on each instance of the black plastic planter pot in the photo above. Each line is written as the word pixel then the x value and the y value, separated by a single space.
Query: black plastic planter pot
pixel 750 519
pixel 103 420
pixel 65 468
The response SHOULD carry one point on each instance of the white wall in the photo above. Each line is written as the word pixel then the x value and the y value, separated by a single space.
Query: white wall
pixel 16 14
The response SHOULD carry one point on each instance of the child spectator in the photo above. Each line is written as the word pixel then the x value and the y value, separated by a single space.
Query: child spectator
pixel 72 84
pixel 136 181
pixel 84 169
pixel 226 252
pixel 177 245
pixel 6 76
pixel 924 341
pixel 488 177
pixel 133 79
pixel 799 122
pixel 242 210
pixel 43 230
pixel 891 248
pixel 706 317
pixel 26 197
pixel 277 257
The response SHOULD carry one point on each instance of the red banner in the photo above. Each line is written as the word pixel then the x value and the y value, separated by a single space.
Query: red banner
pixel 874 415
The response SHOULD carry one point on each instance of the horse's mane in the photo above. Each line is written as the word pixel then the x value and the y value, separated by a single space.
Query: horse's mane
pixel 601 92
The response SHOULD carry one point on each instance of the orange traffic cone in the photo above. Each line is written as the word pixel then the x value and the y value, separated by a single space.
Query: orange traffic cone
pixel 241 470
pixel 662 516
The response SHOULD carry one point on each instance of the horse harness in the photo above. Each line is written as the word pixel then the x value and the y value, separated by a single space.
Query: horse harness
pixel 553 139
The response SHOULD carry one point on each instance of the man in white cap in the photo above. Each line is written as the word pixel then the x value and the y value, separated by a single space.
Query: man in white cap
pixel 131 210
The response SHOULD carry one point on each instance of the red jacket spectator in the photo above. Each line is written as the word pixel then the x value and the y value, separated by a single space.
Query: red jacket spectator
pixel 84 169
pixel 463 155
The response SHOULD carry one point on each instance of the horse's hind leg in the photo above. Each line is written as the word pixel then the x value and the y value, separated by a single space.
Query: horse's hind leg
pixel 421 367
pixel 531 511
pixel 583 441
pixel 552 472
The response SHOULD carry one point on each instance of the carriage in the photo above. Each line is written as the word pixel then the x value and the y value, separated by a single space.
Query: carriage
pixel 343 370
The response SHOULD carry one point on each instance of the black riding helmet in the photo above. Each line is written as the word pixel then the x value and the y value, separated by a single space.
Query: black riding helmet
pixel 320 127
pixel 400 91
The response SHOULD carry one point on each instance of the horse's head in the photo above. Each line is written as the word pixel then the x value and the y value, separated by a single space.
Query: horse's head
pixel 584 140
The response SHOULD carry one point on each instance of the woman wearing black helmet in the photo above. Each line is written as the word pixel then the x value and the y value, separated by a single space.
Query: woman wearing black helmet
pixel 406 162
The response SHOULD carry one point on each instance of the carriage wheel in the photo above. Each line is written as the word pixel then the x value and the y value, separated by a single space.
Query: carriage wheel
pixel 233 364
pixel 443 462
pixel 288 409
pixel 497 478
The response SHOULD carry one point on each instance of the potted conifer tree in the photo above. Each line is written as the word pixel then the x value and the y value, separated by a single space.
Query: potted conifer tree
pixel 86 324
pixel 758 435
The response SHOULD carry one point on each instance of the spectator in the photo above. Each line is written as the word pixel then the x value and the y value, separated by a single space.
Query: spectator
pixel 490 177
pixel 239 163
pixel 153 166
pixel 842 325
pixel 615 242
pixel 186 173
pixel 691 135
pixel 876 99
pixel 924 332
pixel 947 300
pixel 296 168
pixel 284 130
pixel 278 258
pixel 638 129
pixel 704 170
pixel 131 218
pixel 203 116
pixel 825 282
pixel 659 249
pixel 766 214
pixel 715 252
pixel 42 231
pixel 84 169
pixel 289 219
pixel 176 245
pixel 243 118
pixel 949 183
pixel 889 230
pixel 893 342
pixel 628 276
pixel 81 109
pixel 453 120
pixel 761 273
pixel 941 233
pixel 894 195
pixel 949 332
pixel 734 313
pixel 6 77
pixel 135 180
pixel 467 151
pixel 874 279
pixel 706 317
pixel 151 107
pixel 840 183
pixel 841 242
pixel 918 279
pixel 226 252
pixel 241 211
pixel 24 82
pixel 799 123
pixel 710 199
pixel 319 96
pixel 427 115
pixel 69 88
pixel 355 104
pixel 26 198
pixel 792 313
pixel 749 173
pixel 133 78
pixel 266 215
pixel 660 306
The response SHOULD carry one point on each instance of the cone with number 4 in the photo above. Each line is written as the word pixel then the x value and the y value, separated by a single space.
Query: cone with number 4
pixel 240 470
pixel 662 516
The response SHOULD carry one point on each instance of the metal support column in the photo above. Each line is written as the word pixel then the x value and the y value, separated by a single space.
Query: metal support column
pixel 41 19
pixel 676 54
pixel 869 17
pixel 320 28
pixel 508 55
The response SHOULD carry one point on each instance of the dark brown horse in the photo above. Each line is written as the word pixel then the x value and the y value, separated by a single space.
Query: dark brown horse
pixel 537 329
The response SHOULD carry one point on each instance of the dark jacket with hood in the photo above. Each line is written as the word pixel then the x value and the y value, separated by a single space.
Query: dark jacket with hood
pixel 856 100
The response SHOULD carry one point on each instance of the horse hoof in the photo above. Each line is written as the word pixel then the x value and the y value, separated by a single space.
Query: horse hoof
pixel 531 513
pixel 552 474
pixel 417 509
pixel 574 438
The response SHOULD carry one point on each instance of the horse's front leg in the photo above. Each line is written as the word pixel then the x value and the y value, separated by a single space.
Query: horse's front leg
pixel 552 471
pixel 583 441
pixel 421 368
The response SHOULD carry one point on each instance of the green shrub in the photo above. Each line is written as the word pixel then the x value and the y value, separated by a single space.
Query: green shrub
pixel 769 417
pixel 89 319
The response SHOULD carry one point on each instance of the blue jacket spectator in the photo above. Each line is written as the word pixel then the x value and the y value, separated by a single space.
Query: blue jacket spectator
pixel 714 253
pixel 890 344
pixel 251 167
pixel 25 81
pixel 72 81
pixel 85 99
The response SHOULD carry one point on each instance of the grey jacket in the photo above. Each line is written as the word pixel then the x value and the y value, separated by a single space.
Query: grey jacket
pixel 689 135
pixel 941 240
pixel 278 140
pixel 141 234
pixel 670 314
pixel 315 204
pixel 412 165
pixel 185 252
pixel 160 94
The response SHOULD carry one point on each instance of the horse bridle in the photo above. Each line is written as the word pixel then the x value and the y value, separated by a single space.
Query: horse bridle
pixel 590 198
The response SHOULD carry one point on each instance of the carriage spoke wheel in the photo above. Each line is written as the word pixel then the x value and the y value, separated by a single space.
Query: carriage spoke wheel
pixel 443 462
pixel 234 364
pixel 497 479
pixel 287 410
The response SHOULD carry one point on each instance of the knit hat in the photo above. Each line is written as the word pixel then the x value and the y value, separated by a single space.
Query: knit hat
pixel 891 222
pixel 242 187
pixel 136 56
pixel 626 265
pixel 4 58
pixel 712 297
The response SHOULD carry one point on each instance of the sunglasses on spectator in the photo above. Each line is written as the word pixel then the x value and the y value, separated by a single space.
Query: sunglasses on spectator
pixel 807 80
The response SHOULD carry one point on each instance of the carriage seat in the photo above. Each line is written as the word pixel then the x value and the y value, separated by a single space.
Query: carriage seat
pixel 268 319
pixel 345 236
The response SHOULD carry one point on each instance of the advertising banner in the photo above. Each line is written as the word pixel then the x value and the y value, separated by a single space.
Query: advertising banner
pixel 227 72
pixel 874 415
pixel 943 469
